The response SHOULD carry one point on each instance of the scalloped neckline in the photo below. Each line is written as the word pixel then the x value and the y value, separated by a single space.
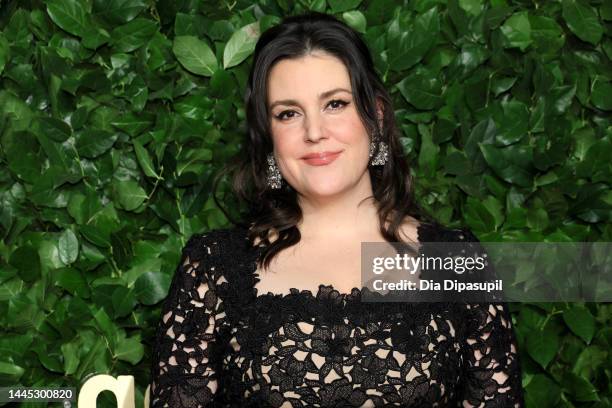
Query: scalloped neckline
pixel 355 292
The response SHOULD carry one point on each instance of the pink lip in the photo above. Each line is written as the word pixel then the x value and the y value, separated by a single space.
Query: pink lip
pixel 321 158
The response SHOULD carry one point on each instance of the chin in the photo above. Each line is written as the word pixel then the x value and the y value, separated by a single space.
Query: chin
pixel 327 188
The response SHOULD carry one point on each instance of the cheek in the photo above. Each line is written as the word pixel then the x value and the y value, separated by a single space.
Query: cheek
pixel 351 131
pixel 285 143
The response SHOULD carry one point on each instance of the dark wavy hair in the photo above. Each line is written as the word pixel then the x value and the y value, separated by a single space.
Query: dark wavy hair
pixel 278 210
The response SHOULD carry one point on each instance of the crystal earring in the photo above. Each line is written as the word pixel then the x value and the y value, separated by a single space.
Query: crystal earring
pixel 381 157
pixel 383 150
pixel 274 176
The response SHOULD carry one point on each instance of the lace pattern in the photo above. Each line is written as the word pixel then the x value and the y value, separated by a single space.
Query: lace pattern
pixel 221 344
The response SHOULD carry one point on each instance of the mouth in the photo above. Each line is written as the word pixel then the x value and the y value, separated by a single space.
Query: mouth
pixel 321 158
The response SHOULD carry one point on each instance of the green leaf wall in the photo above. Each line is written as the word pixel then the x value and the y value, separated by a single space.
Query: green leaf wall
pixel 116 114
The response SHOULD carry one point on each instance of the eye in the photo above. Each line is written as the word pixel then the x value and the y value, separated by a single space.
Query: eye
pixel 337 102
pixel 281 116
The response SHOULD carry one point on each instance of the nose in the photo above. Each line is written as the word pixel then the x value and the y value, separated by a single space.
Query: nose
pixel 313 131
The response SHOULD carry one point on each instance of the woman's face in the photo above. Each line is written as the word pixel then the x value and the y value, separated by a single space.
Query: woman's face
pixel 320 143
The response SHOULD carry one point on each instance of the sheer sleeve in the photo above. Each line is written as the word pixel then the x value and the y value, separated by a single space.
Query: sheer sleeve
pixel 183 372
pixel 492 368
pixel 492 374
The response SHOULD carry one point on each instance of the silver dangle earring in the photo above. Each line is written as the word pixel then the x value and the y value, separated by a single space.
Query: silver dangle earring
pixel 274 176
pixel 383 154
pixel 383 150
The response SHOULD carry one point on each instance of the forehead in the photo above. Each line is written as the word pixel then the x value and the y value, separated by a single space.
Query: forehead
pixel 306 77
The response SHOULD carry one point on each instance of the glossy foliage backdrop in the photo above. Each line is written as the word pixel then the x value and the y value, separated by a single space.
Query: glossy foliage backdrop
pixel 116 113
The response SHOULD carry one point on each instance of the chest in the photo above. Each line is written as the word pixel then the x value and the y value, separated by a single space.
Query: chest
pixel 377 356
pixel 307 267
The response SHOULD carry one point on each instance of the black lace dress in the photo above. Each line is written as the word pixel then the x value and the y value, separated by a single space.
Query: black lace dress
pixel 220 344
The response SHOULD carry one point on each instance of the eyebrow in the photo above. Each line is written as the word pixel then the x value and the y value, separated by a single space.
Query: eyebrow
pixel 321 96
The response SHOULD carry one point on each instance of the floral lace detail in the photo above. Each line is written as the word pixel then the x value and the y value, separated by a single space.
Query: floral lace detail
pixel 220 344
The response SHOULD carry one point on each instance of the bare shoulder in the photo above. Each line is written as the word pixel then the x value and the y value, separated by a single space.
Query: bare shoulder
pixel 409 229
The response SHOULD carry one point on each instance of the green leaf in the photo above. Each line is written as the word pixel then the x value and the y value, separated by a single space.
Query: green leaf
pixel 495 208
pixel 473 7
pixel 151 287
pixel 407 45
pixel 428 155
pixel 579 387
pixel 601 94
pixel 516 218
pixel 423 90
pixel 590 360
pixel 580 321
pixel 48 356
pixel 96 348
pixel 133 35
pixel 542 346
pixel 456 163
pixel 338 6
pixel 11 288
pixel 594 165
pixel 70 351
pixel 101 225
pixel 129 349
pixel 560 98
pixel 512 163
pixel 355 19
pixel 106 327
pixel 27 262
pixel 537 219
pixel 515 198
pixel 192 24
pixel 517 31
pixel 240 45
pixel 55 129
pixel 68 247
pixel 144 160
pixel 70 15
pixel 133 124
pixel 582 20
pixel 130 194
pixel 118 11
pixel 472 55
pixel 138 267
pixel 11 372
pixel 606 11
pixel 91 143
pixel 548 36
pixel 49 254
pixel 542 392
pixel 483 132
pixel 123 301
pixel 194 55
pixel 222 84
pixel 159 52
pixel 137 93
pixel 512 122
pixel 5 52
pixel 83 206
pixel 71 280
pixel 94 37
pixel 478 216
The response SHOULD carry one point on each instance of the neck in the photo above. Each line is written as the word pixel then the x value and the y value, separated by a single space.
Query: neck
pixel 342 215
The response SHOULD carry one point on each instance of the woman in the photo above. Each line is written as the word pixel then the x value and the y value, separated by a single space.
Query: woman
pixel 269 313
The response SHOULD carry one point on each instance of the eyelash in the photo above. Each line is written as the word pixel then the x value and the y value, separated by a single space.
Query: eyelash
pixel 342 102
